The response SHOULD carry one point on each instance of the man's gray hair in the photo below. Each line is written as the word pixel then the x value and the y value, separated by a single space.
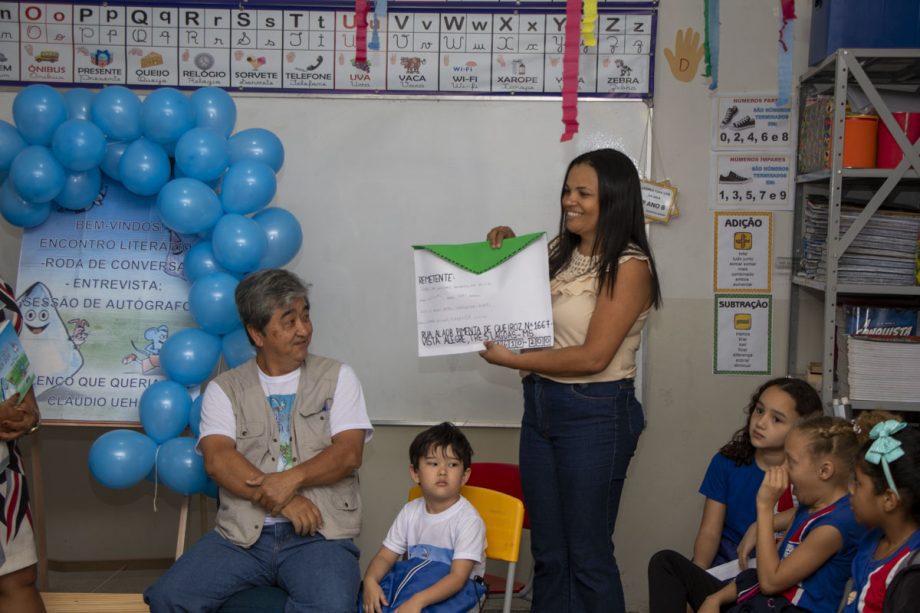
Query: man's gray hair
pixel 260 293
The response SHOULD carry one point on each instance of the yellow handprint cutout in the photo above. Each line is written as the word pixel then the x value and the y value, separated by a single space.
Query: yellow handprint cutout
pixel 685 59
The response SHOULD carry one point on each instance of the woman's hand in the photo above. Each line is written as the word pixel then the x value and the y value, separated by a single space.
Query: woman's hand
pixel 497 234
pixel 496 353
pixel 774 483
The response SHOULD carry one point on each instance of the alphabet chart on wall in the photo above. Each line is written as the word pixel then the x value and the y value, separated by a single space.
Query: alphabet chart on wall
pixel 489 47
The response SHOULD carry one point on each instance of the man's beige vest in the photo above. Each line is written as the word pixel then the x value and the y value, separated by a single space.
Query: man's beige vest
pixel 239 520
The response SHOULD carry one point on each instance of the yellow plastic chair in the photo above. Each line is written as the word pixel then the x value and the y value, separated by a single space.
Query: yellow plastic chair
pixel 503 516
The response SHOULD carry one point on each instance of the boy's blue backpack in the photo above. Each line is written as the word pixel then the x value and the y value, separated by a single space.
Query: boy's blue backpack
pixel 408 577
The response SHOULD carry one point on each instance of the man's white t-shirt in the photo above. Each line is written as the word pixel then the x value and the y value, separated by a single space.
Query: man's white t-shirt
pixel 457 533
pixel 348 411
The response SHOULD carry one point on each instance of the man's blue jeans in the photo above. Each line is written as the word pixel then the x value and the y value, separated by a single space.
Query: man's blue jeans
pixel 576 443
pixel 319 575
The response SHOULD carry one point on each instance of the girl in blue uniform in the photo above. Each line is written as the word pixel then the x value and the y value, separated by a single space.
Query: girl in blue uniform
pixel 811 567
pixel 736 471
pixel 885 496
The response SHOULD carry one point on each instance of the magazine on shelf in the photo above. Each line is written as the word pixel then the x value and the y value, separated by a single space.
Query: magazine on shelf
pixel 868 320
pixel 15 374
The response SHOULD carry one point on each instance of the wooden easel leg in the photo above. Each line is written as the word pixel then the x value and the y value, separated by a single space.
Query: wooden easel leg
pixel 183 525
pixel 38 510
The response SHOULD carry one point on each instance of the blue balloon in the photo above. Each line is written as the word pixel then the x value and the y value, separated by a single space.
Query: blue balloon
pixel 37 175
pixel 211 489
pixel 214 108
pixel 80 189
pixel 166 114
pixel 238 242
pixel 117 112
pixel 78 145
pixel 37 111
pixel 144 167
pixel 284 236
pixel 257 144
pixel 180 467
pixel 11 143
pixel 236 348
pixel 189 356
pixel 247 187
pixel 188 206
pixel 212 303
pixel 121 458
pixel 202 153
pixel 79 103
pixel 199 261
pixel 164 409
pixel 21 212
pixel 194 416
pixel 113 153
pixel 178 174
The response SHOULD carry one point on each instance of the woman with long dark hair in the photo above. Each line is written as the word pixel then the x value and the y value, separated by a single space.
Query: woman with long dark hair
pixel 582 420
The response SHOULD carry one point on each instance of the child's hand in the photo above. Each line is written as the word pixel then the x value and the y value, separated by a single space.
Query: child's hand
pixel 374 598
pixel 746 546
pixel 775 482
pixel 410 606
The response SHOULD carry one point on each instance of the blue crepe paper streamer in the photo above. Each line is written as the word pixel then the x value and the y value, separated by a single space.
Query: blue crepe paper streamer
pixel 784 66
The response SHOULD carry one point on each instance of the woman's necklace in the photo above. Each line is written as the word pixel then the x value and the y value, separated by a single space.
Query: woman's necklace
pixel 578 265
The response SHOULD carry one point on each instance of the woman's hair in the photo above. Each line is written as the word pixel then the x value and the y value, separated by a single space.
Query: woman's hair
pixel 905 471
pixel 831 436
pixel 621 219
pixel 807 402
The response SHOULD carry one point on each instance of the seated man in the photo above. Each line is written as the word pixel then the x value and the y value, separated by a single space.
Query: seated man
pixel 283 435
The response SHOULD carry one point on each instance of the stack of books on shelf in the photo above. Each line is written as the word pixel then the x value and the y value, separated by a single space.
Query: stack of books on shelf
pixel 883 253
pixel 882 354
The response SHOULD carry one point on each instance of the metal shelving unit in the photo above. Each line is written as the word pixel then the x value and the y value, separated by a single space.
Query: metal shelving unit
pixel 868 69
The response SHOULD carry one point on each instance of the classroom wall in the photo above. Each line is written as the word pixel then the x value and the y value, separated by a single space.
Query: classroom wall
pixel 691 412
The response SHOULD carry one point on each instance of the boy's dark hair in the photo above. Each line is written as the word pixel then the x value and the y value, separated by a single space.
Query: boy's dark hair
pixel 443 436
pixel 807 401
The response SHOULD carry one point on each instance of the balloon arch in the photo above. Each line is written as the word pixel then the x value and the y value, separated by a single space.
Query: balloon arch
pixel 208 182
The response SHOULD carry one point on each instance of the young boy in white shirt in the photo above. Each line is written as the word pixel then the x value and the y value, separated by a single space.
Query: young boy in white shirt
pixel 441 526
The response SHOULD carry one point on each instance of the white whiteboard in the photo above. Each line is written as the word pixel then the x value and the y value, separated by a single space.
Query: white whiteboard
pixel 368 178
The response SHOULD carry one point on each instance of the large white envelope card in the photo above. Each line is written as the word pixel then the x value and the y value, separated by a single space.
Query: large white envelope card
pixel 466 294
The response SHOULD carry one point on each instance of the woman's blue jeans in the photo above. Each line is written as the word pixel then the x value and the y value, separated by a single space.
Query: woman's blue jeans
pixel 576 443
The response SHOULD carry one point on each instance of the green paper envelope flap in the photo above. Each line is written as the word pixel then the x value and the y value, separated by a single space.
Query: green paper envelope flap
pixel 478 258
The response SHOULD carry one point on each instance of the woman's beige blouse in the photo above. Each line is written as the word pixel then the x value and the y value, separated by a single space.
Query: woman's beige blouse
pixel 574 294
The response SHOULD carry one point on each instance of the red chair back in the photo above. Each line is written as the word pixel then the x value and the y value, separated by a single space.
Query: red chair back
pixel 501 477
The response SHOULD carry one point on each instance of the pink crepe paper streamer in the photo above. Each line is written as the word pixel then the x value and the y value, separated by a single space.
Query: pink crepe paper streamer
pixel 788 7
pixel 360 31
pixel 570 69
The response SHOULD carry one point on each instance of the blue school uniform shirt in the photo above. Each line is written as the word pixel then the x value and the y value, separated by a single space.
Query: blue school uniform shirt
pixel 871 577
pixel 735 487
pixel 822 591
